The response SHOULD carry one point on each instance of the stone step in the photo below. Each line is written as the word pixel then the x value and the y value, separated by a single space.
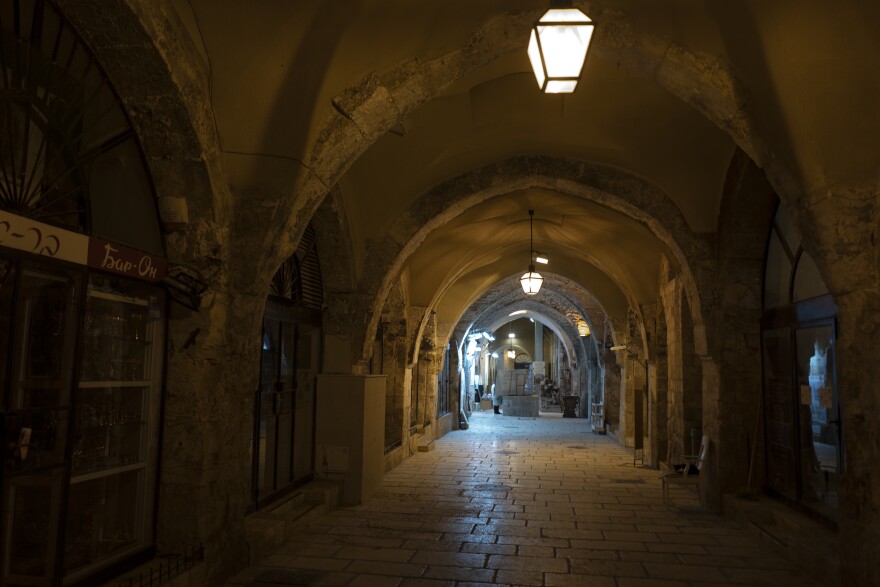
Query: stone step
pixel 426 447
pixel 267 529
pixel 804 541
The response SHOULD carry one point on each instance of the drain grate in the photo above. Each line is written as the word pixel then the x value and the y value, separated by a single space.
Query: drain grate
pixel 291 577
pixel 630 481
pixel 492 487
pixel 575 447
pixel 506 452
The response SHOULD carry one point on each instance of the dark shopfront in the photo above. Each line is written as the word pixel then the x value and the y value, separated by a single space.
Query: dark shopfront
pixel 82 315
pixel 805 455
pixel 283 446
pixel 81 362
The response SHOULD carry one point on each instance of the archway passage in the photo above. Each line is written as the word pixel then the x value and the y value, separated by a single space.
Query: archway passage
pixel 412 136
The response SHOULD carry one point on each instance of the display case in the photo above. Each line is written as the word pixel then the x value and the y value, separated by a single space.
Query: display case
pixel 115 426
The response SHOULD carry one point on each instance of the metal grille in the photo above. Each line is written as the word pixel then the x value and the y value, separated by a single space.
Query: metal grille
pixel 166 569
pixel 63 128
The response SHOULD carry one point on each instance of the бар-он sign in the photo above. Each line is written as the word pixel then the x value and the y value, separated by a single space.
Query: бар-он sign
pixel 24 234
pixel 126 261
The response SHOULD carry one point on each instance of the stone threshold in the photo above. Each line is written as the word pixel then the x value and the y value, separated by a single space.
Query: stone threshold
pixel 805 542
pixel 267 529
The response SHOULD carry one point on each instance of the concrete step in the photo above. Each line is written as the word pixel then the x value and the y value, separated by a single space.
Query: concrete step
pixel 426 447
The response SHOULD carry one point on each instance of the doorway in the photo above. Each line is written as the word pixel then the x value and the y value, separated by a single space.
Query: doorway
pixel 284 456
pixel 290 357
pixel 804 455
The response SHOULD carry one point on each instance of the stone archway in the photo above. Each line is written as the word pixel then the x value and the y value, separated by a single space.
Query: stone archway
pixel 610 188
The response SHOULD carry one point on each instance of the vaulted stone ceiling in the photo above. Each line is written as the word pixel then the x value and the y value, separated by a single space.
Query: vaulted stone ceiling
pixel 668 92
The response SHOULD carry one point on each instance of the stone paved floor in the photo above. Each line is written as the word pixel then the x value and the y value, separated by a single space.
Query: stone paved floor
pixel 523 502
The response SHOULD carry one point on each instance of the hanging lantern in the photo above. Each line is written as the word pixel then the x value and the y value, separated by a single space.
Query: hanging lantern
pixel 531 281
pixel 583 329
pixel 558 47
pixel 511 354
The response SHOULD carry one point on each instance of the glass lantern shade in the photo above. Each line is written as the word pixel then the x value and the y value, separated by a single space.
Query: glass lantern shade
pixel 531 281
pixel 558 47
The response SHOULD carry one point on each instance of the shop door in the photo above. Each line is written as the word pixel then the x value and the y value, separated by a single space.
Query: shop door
pixel 285 404
pixel 307 361
pixel 38 323
pixel 804 458
pixel 275 405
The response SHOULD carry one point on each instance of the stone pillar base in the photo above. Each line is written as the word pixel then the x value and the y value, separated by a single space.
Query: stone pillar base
pixel 350 433
pixel 524 406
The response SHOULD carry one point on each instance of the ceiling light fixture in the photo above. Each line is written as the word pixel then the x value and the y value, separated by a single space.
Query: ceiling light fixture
pixel 517 313
pixel 583 329
pixel 541 258
pixel 531 281
pixel 558 47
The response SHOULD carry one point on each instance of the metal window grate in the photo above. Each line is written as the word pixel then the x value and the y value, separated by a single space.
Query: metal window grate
pixel 166 569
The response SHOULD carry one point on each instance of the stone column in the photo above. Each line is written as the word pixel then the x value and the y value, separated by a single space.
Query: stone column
pixel 731 395
pixel 212 375
pixel 612 387
pixel 670 295
pixel 394 361
pixel 538 361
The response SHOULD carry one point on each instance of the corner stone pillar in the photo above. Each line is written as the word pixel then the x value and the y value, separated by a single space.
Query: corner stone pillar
pixel 212 371
pixel 858 372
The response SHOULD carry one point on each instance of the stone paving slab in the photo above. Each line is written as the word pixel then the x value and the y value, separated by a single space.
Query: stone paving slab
pixel 539 502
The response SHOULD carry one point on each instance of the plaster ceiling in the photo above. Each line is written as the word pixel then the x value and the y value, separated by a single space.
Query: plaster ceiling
pixel 276 66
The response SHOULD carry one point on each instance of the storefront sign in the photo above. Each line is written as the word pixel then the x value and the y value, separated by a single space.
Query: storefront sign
pixel 24 234
pixel 126 261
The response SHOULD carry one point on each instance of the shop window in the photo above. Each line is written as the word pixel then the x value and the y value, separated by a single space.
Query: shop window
pixel 776 275
pixel 69 155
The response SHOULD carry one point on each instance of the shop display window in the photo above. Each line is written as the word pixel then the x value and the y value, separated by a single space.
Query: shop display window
pixel 113 456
